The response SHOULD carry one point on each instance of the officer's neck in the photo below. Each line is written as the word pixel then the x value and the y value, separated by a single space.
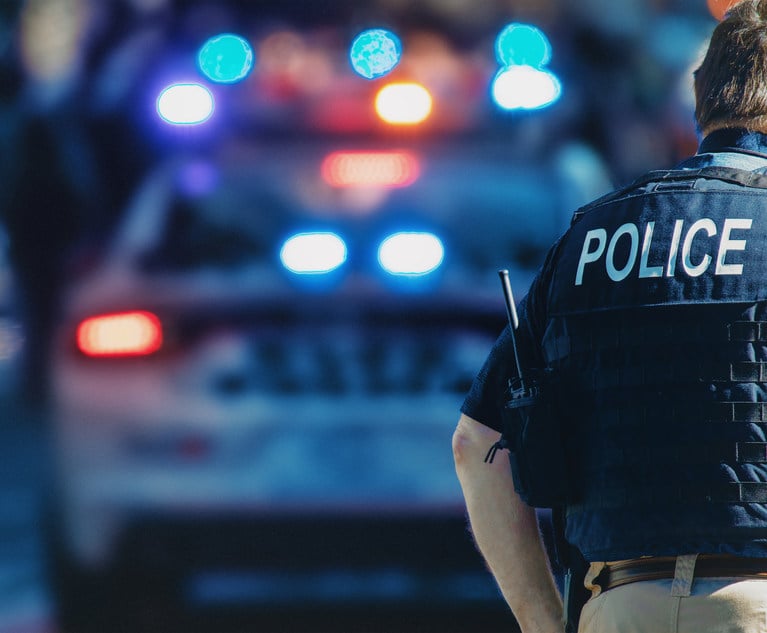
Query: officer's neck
pixel 758 125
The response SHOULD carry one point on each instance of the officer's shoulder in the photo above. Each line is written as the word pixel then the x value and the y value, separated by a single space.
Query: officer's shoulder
pixel 615 194
pixel 724 177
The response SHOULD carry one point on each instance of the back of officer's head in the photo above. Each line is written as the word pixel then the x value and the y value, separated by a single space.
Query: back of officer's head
pixel 731 82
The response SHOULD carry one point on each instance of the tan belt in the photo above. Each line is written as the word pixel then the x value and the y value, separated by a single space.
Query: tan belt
pixel 660 567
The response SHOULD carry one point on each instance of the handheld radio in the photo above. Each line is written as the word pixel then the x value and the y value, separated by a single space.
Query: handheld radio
pixel 531 427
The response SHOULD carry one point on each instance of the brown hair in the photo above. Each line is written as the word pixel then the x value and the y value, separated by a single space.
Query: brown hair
pixel 731 82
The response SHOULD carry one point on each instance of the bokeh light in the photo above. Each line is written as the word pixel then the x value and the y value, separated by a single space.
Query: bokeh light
pixel 525 88
pixel 123 334
pixel 403 103
pixel 50 37
pixel 719 7
pixel 226 58
pixel 197 178
pixel 375 52
pixel 185 104
pixel 370 169
pixel 522 44
pixel 411 253
pixel 313 253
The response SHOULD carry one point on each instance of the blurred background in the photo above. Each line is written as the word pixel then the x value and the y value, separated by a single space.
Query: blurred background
pixel 248 257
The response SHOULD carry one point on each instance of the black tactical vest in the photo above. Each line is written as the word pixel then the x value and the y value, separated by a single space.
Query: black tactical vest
pixel 658 338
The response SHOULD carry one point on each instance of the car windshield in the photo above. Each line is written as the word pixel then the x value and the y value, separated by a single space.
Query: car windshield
pixel 196 238
pixel 223 214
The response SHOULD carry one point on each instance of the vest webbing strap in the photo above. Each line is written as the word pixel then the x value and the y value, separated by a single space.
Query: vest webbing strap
pixel 679 371
pixel 627 409
pixel 730 175
pixel 671 493
pixel 699 453
pixel 643 342
pixel 635 334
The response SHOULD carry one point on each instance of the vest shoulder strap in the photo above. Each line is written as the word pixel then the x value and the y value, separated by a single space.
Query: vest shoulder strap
pixel 730 175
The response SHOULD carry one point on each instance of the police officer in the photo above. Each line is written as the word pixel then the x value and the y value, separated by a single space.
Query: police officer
pixel 649 320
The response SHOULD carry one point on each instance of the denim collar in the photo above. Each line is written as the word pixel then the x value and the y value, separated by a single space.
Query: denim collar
pixel 735 140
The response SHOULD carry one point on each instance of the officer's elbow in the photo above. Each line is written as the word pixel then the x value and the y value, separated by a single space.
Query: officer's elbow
pixel 461 445
pixel 471 440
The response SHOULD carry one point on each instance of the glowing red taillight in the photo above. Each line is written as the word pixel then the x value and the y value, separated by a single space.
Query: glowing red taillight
pixel 120 334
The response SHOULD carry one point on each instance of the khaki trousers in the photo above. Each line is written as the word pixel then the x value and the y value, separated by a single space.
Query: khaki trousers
pixel 714 605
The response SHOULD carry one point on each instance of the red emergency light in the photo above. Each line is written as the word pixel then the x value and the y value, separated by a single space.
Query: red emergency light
pixel 136 333
pixel 370 169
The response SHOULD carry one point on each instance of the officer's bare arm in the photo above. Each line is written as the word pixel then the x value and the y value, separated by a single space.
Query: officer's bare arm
pixel 506 530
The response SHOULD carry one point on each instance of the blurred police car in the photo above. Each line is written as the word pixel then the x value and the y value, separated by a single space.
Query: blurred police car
pixel 254 393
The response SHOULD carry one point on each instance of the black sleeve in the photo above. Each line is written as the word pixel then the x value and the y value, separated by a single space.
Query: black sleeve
pixel 485 399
